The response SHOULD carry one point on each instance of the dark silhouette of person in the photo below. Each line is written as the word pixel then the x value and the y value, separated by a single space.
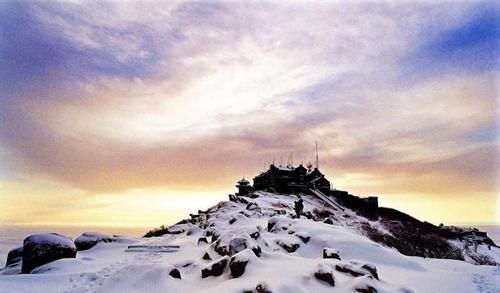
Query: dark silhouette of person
pixel 299 206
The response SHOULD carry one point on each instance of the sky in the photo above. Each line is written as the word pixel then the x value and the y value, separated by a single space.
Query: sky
pixel 141 112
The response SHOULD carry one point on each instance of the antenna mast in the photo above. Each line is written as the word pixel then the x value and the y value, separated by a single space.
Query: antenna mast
pixel 317 159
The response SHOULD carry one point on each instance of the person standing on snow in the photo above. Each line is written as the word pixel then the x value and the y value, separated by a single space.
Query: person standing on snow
pixel 299 206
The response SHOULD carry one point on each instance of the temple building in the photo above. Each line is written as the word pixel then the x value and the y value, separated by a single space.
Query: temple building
pixel 299 180
pixel 289 179
pixel 243 186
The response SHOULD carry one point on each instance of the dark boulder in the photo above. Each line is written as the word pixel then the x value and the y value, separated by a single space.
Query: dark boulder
pixel 239 262
pixel 40 249
pixel 331 253
pixel 278 223
pixel 288 246
pixel 206 256
pixel 324 273
pixel 367 284
pixel 371 269
pixel 308 215
pixel 350 269
pixel 328 221
pixel 366 289
pixel 202 240
pixel 252 207
pixel 255 235
pixel 303 236
pixel 215 268
pixel 262 288
pixel 90 239
pixel 237 244
pixel 14 257
pixel 174 273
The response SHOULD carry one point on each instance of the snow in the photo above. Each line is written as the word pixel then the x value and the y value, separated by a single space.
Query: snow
pixel 52 238
pixel 111 267
pixel 92 236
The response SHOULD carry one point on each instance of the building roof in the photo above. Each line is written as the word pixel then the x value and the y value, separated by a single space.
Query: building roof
pixel 243 181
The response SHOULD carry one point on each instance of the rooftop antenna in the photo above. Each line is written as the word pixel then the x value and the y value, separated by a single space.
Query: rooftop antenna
pixel 291 154
pixel 281 159
pixel 317 159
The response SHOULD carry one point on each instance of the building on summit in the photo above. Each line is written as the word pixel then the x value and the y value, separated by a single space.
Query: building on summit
pixel 289 179
pixel 300 180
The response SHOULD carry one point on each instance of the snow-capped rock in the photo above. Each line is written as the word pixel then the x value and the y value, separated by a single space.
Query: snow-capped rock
pixel 40 249
pixel 89 239
pixel 324 273
pixel 331 253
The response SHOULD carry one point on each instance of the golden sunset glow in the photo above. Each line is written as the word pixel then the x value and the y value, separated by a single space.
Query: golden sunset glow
pixel 121 115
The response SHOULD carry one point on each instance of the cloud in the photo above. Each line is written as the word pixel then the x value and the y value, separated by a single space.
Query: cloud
pixel 109 97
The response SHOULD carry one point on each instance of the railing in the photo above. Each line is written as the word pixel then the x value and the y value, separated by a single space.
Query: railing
pixel 326 198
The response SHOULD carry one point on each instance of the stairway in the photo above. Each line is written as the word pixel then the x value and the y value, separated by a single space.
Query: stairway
pixel 326 199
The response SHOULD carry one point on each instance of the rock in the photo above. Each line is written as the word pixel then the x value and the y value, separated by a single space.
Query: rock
pixel 257 250
pixel 242 200
pixel 303 236
pixel 331 253
pixel 232 221
pixel 40 249
pixel 324 273
pixel 220 248
pixel 215 268
pixel 289 247
pixel 307 214
pixel 239 262
pixel 279 223
pixel 14 257
pixel 176 229
pixel 371 269
pixel 206 256
pixel 252 207
pixel 237 244
pixel 350 269
pixel 262 288
pixel 328 221
pixel 255 235
pixel 237 268
pixel 174 273
pixel 89 239
pixel 202 240
pixel 212 231
pixel 366 289
pixel 366 284
pixel 231 244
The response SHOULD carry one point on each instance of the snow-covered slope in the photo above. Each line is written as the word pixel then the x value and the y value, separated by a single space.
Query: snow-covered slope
pixel 279 253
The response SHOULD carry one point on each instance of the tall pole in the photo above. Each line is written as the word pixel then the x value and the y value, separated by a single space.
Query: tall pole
pixel 317 159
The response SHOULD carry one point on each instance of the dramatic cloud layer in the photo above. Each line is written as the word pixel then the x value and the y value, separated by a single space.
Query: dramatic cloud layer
pixel 106 102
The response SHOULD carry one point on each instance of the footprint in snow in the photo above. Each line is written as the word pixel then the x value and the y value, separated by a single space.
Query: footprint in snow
pixel 488 283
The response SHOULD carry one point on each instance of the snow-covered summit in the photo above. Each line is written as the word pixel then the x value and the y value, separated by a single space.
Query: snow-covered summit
pixel 255 244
